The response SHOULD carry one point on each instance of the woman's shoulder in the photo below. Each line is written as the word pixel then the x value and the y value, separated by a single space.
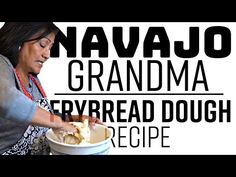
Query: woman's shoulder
pixel 5 65
pixel 5 61
pixel 6 72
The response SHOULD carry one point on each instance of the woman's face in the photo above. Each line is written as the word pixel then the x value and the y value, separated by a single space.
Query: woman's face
pixel 33 54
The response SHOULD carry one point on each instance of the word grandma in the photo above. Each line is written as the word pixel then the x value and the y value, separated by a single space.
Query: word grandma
pixel 69 42
pixel 151 75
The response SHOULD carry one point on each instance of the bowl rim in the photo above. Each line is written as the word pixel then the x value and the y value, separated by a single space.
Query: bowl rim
pixel 80 145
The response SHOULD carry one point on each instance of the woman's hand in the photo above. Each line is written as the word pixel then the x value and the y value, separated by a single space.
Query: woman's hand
pixel 80 118
pixel 66 127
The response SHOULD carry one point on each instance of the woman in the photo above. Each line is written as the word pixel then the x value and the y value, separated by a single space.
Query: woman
pixel 25 113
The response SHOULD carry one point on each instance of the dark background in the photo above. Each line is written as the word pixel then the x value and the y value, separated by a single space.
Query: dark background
pixel 122 10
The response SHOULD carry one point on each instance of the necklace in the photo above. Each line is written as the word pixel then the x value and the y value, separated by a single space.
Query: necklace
pixel 34 81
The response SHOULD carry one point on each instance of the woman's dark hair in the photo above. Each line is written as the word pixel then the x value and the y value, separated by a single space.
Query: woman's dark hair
pixel 14 34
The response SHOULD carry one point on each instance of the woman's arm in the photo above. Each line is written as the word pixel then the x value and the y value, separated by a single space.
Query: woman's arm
pixel 46 119
pixel 15 106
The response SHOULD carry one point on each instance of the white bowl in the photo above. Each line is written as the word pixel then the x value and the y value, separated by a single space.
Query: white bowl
pixel 99 143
